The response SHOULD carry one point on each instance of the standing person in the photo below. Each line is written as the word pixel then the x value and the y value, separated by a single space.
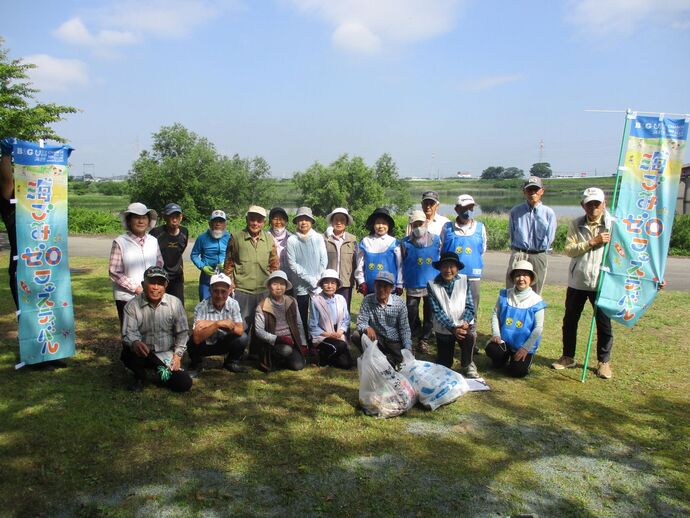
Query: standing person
pixel 172 241
pixel 329 322
pixel 517 323
pixel 154 334
pixel 532 229
pixel 585 243
pixel 419 251
pixel 250 258
pixel 306 261
pixel 430 205
pixel 218 329
pixel 132 253
pixel 279 327
pixel 341 248
pixel 209 249
pixel 379 252
pixel 8 212
pixel 278 219
pixel 451 300
pixel 466 237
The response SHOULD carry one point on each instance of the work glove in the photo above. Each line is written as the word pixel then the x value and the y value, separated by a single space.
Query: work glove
pixel 363 288
pixel 209 270
pixel 287 340
pixel 398 291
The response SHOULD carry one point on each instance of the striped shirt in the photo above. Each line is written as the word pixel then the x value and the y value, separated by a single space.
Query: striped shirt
pixel 388 320
pixel 162 328
pixel 205 310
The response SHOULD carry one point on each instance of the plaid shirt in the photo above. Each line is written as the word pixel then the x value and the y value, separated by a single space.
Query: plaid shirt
pixel 161 328
pixel 205 310
pixel 388 320
pixel 116 268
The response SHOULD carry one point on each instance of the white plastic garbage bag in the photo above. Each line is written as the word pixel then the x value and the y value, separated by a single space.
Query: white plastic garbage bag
pixel 383 392
pixel 434 384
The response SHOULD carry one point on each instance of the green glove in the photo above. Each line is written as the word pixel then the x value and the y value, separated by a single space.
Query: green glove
pixel 209 270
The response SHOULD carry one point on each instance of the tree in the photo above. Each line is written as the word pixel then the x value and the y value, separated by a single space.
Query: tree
pixel 184 168
pixel 541 169
pixel 492 173
pixel 348 182
pixel 18 118
pixel 512 172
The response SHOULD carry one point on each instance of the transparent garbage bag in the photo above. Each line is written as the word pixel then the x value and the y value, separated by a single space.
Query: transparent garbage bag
pixel 434 384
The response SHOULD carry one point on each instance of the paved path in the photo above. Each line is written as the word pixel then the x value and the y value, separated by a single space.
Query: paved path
pixel 677 268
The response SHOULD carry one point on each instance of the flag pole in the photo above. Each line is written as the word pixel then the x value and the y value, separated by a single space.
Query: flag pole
pixel 629 115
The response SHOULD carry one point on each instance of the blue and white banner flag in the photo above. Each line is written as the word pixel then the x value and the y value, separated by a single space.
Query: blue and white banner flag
pixel 46 317
pixel 643 217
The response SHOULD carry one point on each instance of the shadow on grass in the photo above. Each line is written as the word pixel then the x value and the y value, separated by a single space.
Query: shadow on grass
pixel 74 442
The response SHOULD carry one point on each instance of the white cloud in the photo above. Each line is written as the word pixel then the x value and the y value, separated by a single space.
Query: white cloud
pixel 480 84
pixel 365 26
pixel 624 16
pixel 56 74
pixel 74 31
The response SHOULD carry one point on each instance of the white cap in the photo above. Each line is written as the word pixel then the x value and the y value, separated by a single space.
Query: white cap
pixel 464 200
pixel 220 277
pixel 592 194
pixel 218 214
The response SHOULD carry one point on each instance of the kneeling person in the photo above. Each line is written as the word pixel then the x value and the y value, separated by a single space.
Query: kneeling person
pixel 218 328
pixel 278 327
pixel 329 322
pixel 154 334
pixel 517 323
pixel 383 318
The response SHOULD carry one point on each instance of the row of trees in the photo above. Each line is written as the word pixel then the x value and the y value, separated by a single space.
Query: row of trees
pixel 540 169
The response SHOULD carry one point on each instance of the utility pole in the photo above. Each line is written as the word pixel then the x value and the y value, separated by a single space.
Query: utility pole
pixel 541 150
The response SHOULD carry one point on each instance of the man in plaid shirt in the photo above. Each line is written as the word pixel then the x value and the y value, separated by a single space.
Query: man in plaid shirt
pixel 383 318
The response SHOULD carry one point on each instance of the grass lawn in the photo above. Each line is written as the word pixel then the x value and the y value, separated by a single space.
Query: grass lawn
pixel 74 442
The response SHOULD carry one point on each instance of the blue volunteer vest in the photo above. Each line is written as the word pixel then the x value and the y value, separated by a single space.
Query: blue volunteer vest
pixel 417 269
pixel 380 262
pixel 468 248
pixel 517 323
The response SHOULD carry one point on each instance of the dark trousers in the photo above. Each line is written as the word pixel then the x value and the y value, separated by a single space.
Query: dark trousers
pixel 418 327
pixel 392 350
pixel 501 355
pixel 176 287
pixel 303 307
pixel 284 356
pixel 346 293
pixel 231 345
pixel 12 270
pixel 120 305
pixel 574 304
pixel 335 353
pixel 179 381
pixel 445 346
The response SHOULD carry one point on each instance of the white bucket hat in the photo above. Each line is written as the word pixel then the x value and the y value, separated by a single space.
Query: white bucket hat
pixel 330 274
pixel 524 266
pixel 339 210
pixel 140 210
pixel 304 211
pixel 278 274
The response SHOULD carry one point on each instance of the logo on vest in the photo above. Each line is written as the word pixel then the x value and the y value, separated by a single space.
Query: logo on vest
pixel 509 322
pixel 518 324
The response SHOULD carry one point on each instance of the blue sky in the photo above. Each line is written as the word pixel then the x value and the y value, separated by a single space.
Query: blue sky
pixel 441 85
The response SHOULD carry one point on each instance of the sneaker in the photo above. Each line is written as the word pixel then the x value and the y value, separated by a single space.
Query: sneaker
pixel 604 370
pixel 423 347
pixel 470 371
pixel 136 385
pixel 564 362
pixel 235 367
pixel 195 370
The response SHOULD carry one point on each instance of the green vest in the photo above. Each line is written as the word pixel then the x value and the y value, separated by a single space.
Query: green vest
pixel 251 262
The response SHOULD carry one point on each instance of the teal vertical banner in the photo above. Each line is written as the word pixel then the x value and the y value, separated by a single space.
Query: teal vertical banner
pixel 643 217
pixel 46 317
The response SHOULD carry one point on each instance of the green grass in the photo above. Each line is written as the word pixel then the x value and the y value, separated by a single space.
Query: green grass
pixel 74 442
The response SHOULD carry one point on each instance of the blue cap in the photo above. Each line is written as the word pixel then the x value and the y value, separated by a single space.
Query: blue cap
pixel 172 208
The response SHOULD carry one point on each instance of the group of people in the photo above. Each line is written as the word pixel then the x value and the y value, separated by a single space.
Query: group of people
pixel 285 297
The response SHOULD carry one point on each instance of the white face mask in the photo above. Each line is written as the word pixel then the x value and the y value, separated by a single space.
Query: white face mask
pixel 419 231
